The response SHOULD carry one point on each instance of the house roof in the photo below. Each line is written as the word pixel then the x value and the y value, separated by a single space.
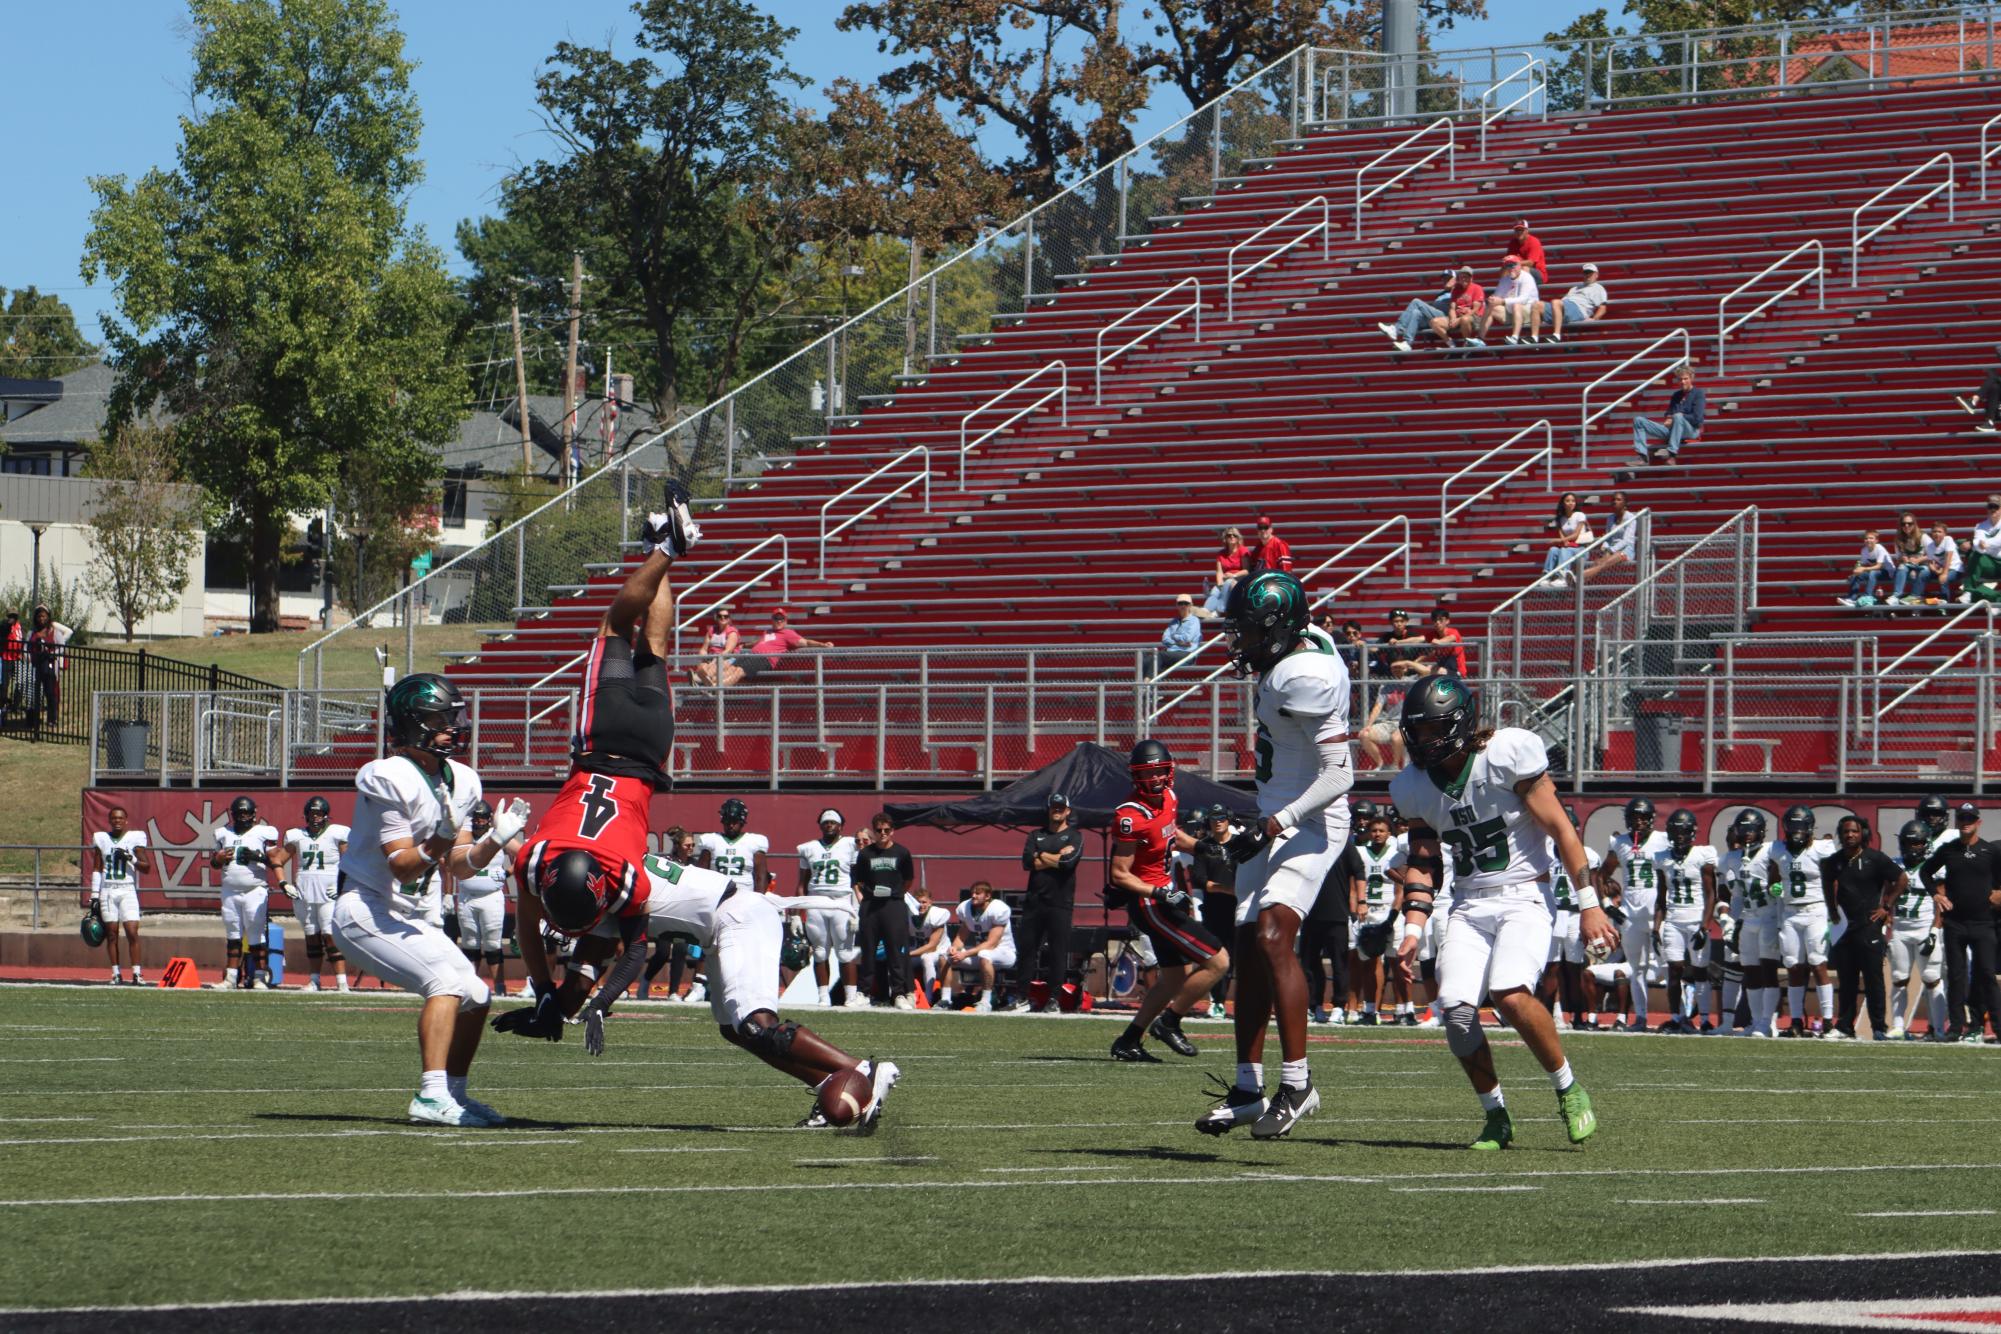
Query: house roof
pixel 1915 52
pixel 72 416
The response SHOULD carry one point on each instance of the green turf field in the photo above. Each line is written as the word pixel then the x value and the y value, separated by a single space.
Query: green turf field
pixel 1013 1147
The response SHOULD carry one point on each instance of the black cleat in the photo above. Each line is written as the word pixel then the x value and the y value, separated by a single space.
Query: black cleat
pixel 1177 1041
pixel 672 530
pixel 1288 1108
pixel 1407 1021
pixel 1368 1019
pixel 1133 1051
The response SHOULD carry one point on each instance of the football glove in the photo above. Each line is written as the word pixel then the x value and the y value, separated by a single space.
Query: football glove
pixel 1173 897
pixel 594 1031
pixel 508 822
pixel 543 1020
pixel 291 890
pixel 448 824
pixel 1247 843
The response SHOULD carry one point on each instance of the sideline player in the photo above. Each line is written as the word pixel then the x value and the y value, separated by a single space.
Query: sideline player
pixel 929 924
pixel 1487 796
pixel 119 856
pixel 412 821
pixel 250 855
pixel 1144 831
pixel 1755 905
pixel 826 872
pixel 1794 874
pixel 734 853
pixel 1303 775
pixel 1686 872
pixel 316 848
pixel 483 904
pixel 1632 851
pixel 1566 988
pixel 742 934
pixel 1382 886
pixel 986 942
pixel 1914 936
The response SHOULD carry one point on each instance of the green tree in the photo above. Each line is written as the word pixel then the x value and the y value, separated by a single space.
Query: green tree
pixel 270 293
pixel 145 526
pixel 38 336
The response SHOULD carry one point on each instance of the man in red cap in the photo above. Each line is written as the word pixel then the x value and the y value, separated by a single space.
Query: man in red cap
pixel 1269 549
pixel 764 654
pixel 1529 249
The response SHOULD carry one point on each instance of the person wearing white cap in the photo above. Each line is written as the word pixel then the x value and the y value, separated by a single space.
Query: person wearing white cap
pixel 1580 305
pixel 1180 639
pixel 826 870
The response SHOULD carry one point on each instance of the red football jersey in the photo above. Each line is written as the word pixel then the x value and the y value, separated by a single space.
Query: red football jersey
pixel 604 814
pixel 1153 831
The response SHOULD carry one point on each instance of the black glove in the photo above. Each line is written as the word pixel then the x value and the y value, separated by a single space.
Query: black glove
pixel 594 1030
pixel 1248 843
pixel 1174 898
pixel 545 1020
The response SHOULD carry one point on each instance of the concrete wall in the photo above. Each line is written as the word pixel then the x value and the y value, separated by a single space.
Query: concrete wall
pixel 67 547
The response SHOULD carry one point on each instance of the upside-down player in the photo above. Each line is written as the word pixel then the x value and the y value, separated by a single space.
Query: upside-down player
pixel 1303 776
pixel 1144 832
pixel 1488 796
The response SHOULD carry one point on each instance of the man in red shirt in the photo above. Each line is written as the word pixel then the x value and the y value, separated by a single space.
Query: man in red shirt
pixel 1269 550
pixel 1144 835
pixel 1448 646
pixel 1469 305
pixel 1529 249
pixel 10 658
pixel 764 654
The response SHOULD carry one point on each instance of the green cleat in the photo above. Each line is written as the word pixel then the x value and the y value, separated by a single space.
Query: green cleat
pixel 1498 1133
pixel 1578 1118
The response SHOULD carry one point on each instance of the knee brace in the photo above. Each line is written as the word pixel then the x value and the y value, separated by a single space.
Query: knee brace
pixel 477 997
pixel 315 948
pixel 1462 1030
pixel 770 1041
pixel 333 950
pixel 492 957
pixel 471 952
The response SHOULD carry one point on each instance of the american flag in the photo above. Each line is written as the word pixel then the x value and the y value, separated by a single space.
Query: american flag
pixel 608 419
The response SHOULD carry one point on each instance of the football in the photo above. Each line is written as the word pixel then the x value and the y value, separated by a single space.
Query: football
pixel 842 1096
pixel 1597 951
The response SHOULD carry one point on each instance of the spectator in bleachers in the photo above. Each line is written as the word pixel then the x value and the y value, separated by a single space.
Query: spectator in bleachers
pixel 1983 563
pixel 764 654
pixel 1943 564
pixel 1448 646
pixel 1990 401
pixel 1525 244
pixel 1354 648
pixel 1580 305
pixel 1397 644
pixel 1570 528
pixel 1382 734
pixel 1463 314
pixel 1873 564
pixel 1270 551
pixel 1419 315
pixel 720 642
pixel 1910 555
pixel 1230 563
pixel 1620 540
pixel 1179 640
pixel 1660 441
pixel 1512 300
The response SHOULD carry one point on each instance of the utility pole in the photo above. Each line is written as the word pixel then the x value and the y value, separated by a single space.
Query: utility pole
pixel 570 363
pixel 521 397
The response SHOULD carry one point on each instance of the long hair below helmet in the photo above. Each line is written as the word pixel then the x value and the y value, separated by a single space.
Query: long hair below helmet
pixel 1438 720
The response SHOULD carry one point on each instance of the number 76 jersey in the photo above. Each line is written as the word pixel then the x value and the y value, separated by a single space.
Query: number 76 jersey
pixel 1481 820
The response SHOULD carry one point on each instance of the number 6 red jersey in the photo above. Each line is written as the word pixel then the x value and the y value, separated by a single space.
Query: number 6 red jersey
pixel 1152 830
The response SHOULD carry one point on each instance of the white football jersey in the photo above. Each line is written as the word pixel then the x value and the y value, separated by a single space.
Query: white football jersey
pixel 1940 840
pixel 120 867
pixel 1300 702
pixel 1680 880
pixel 684 903
pixel 1744 873
pixel 1566 893
pixel 1638 876
pixel 1914 902
pixel 924 923
pixel 397 800
pixel 246 870
pixel 1480 817
pixel 491 878
pixel 1796 876
pixel 1380 892
pixel 978 924
pixel 829 868
pixel 735 858
pixel 315 865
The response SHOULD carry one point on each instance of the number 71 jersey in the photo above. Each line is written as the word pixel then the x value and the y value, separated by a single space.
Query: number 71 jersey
pixel 1480 818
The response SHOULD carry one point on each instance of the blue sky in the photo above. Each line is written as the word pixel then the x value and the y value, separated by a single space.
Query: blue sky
pixel 103 95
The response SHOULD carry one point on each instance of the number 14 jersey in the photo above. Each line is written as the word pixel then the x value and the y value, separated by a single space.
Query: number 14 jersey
pixel 1480 819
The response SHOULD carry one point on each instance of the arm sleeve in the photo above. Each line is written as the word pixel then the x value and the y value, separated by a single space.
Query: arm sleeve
pixel 1336 776
pixel 1028 853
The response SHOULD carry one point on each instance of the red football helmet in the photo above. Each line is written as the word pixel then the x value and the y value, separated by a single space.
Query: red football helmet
pixel 1152 769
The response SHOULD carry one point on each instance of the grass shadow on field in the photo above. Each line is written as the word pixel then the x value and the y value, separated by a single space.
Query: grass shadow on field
pixel 513 1123
pixel 1146 1153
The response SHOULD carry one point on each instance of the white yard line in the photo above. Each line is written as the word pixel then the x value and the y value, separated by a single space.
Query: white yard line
pixel 1460 1190
pixel 845 1162
pixel 1927 1213
pixel 1679 1203
pixel 683 1148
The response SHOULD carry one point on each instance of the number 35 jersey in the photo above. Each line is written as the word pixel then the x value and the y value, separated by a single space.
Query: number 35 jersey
pixel 1480 818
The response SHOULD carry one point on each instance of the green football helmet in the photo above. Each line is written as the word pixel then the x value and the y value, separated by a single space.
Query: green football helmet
pixel 426 712
pixel 91 928
pixel 1265 616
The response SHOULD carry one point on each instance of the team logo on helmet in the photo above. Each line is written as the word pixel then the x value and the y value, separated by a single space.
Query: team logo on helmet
pixel 243 813
pixel 1913 840
pixel 1640 815
pixel 1439 721
pixel 1799 827
pixel 1681 831
pixel 1934 812
pixel 576 891
pixel 481 817
pixel 735 811
pixel 426 712
pixel 319 814
pixel 1264 617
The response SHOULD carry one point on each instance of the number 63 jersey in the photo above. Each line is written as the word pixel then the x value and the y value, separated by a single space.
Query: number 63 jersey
pixel 1479 817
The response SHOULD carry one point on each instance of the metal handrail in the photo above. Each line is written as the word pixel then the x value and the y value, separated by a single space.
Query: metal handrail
pixel 1929 677
pixel 1535 86
pixel 1857 238
pixel 1101 358
pixel 1584 414
pixel 1062 391
pixel 1230 275
pixel 1819 271
pixel 1935 635
pixel 1450 150
pixel 1986 153
pixel 878 502
pixel 1547 454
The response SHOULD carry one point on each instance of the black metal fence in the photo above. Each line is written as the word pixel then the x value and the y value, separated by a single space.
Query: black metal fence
pixel 45 692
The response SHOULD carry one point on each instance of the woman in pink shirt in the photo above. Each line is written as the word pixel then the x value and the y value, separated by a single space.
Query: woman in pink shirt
pixel 1229 568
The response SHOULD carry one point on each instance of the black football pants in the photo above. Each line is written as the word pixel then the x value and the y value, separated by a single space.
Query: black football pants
pixel 1969 948
pixel 1044 925
pixel 1219 915
pixel 1329 937
pixel 1858 963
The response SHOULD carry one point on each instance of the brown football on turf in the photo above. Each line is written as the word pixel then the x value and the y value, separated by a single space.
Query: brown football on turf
pixel 843 1096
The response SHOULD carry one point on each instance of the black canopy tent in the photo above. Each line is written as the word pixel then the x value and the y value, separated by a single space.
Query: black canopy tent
pixel 1095 778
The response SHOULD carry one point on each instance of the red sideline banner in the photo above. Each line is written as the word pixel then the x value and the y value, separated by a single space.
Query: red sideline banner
pixel 180 826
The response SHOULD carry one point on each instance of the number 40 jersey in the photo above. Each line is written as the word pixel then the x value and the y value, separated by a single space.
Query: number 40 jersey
pixel 1480 818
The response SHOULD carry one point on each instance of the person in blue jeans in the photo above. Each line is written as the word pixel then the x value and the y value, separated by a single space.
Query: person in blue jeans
pixel 1660 441
pixel 1417 317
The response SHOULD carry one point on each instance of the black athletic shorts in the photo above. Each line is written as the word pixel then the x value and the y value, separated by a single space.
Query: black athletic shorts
pixel 1177 938
pixel 625 718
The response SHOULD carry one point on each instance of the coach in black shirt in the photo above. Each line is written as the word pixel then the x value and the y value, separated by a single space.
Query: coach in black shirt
pixel 1050 856
pixel 1966 900
pixel 1216 876
pixel 1861 885
pixel 883 870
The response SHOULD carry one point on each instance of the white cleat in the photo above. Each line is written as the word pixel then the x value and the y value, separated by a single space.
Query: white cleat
pixel 856 1000
pixel 882 1078
pixel 905 1003
pixel 440 1112
pixel 478 1113
pixel 1895 1031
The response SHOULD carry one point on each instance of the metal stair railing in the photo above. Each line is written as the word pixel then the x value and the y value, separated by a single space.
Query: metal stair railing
pixel 1817 272
pixel 1857 238
pixel 1101 358
pixel 1061 392
pixel 1547 454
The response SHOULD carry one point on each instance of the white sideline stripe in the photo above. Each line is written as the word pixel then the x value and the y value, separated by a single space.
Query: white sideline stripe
pixel 547 1136
pixel 772 1188
pixel 1678 1203
pixel 682 1148
pixel 1023 1281
pixel 11 1120
pixel 1816 1092
pixel 69 1060
pixel 843 1162
pixel 556 1087
pixel 1110 1167
pixel 1460 1190
pixel 1927 1213
pixel 481 1142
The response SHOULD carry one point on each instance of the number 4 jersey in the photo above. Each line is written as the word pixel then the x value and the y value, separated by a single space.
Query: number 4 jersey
pixel 1480 818
pixel 603 814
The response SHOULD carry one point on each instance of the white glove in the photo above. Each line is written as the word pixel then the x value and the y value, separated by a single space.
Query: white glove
pixel 508 822
pixel 291 890
pixel 448 825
